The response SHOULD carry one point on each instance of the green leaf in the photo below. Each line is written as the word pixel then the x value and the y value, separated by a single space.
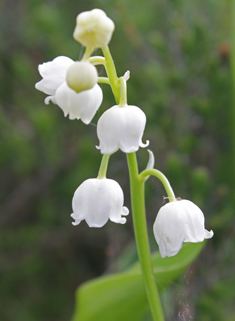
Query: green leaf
pixel 122 296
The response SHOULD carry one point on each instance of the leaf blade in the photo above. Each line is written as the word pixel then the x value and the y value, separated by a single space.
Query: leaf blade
pixel 122 295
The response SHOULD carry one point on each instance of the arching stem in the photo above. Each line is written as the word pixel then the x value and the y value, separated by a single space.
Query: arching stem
pixel 112 74
pixel 162 178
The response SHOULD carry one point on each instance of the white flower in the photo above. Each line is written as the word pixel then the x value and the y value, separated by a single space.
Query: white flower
pixel 96 201
pixel 121 127
pixel 53 74
pixel 177 222
pixel 93 28
pixel 78 105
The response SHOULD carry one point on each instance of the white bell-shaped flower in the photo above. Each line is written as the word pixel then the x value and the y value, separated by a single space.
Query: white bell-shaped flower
pixel 78 105
pixel 177 222
pixel 93 28
pixel 121 127
pixel 53 74
pixel 97 200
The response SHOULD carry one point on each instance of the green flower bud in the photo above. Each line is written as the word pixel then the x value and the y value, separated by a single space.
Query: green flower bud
pixel 81 76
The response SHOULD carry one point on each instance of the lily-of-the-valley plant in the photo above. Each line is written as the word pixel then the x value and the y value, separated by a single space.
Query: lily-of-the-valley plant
pixel 74 87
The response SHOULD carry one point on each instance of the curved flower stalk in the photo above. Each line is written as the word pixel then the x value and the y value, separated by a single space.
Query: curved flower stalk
pixel 82 105
pixel 93 29
pixel 96 201
pixel 177 222
pixel 121 127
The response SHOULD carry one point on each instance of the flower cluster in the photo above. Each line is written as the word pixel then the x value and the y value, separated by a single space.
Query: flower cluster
pixel 73 86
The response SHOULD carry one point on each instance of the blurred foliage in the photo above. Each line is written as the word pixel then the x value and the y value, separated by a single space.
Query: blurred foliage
pixel 178 54
pixel 128 289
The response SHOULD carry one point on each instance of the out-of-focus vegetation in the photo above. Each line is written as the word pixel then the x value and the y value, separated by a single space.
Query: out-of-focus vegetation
pixel 178 54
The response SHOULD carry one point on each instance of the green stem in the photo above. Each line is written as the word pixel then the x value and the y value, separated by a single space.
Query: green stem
pixel 162 178
pixel 111 72
pixel 141 236
pixel 137 201
pixel 103 166
pixel 123 97
pixel 87 53
pixel 97 60
pixel 103 80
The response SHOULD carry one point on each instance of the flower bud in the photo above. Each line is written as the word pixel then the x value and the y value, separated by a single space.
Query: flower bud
pixel 81 76
pixel 93 29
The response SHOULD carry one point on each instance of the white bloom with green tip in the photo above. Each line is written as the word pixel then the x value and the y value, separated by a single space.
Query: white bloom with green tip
pixel 121 127
pixel 81 76
pixel 177 222
pixel 96 201
pixel 93 28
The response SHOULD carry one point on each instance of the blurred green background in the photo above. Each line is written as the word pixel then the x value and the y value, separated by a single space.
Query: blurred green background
pixel 178 53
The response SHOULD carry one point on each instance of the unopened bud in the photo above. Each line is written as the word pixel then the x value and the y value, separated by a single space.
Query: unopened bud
pixel 81 76
pixel 93 28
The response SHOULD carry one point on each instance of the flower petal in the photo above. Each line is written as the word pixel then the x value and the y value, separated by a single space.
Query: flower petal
pixel 53 74
pixel 48 99
pixel 85 104
pixel 82 105
pixel 61 97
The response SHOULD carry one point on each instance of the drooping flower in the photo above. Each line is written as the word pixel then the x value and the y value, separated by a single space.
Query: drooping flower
pixel 177 222
pixel 121 127
pixel 93 28
pixel 96 201
pixel 53 74
pixel 77 105
pixel 82 105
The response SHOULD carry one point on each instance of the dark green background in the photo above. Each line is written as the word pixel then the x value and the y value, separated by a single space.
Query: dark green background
pixel 178 54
